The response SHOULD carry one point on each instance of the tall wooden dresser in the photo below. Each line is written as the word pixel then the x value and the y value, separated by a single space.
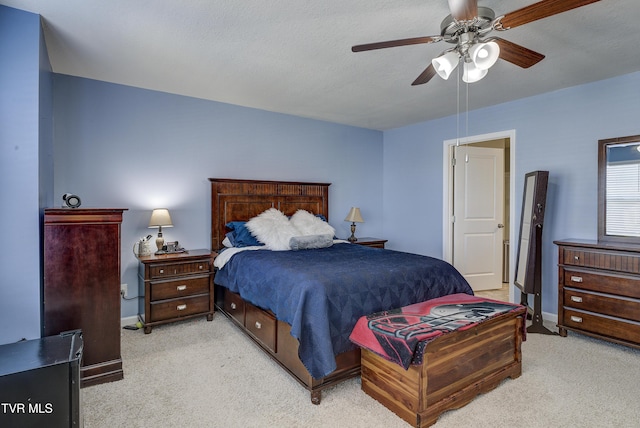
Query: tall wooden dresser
pixel 599 290
pixel 82 285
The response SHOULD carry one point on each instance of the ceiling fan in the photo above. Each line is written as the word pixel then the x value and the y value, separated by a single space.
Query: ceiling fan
pixel 467 27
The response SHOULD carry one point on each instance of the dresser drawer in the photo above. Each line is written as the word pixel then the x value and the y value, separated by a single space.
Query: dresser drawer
pixel 603 304
pixel 176 308
pixel 602 259
pixel 181 287
pixel 262 325
pixel 178 269
pixel 602 281
pixel 234 306
pixel 601 325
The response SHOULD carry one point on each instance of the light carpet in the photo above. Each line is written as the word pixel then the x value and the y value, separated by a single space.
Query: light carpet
pixel 207 374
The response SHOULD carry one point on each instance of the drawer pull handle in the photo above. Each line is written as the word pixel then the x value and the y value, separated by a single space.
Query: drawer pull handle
pixel 233 306
pixel 181 307
pixel 576 258
pixel 258 325
pixel 181 287
pixel 200 267
pixel 576 299
pixel 161 270
pixel 576 319
pixel 576 278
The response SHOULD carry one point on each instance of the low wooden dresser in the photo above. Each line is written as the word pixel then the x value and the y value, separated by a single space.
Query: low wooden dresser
pixel 599 290
pixel 175 286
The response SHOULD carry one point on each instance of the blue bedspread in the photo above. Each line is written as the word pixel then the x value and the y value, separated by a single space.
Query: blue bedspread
pixel 322 293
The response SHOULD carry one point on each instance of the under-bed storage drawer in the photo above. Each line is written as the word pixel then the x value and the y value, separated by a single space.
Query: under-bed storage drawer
pixel 262 325
pixel 234 305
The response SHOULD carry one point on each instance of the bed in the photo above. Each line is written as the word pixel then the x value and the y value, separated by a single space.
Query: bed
pixel 301 312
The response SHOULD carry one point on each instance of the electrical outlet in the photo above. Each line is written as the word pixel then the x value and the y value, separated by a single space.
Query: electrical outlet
pixel 123 290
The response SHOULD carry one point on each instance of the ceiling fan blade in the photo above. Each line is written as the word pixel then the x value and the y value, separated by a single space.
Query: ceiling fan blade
pixel 463 10
pixel 539 10
pixel 425 76
pixel 516 54
pixel 394 43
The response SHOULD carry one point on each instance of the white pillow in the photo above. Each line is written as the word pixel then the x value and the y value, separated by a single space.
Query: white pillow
pixel 309 224
pixel 272 228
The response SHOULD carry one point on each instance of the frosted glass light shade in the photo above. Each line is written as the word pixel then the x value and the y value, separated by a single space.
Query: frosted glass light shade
pixel 445 64
pixel 484 55
pixel 472 73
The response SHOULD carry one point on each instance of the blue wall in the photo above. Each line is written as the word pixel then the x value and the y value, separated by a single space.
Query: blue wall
pixel 119 146
pixel 123 147
pixel 556 131
pixel 25 132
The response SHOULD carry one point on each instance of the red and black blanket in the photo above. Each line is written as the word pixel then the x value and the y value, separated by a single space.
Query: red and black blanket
pixel 400 335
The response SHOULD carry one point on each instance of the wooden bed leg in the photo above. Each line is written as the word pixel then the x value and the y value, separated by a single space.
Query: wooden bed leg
pixel 316 396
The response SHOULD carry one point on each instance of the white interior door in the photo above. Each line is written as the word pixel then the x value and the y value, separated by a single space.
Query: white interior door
pixel 478 226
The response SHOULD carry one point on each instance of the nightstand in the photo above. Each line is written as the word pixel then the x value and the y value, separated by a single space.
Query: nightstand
pixel 175 287
pixel 371 242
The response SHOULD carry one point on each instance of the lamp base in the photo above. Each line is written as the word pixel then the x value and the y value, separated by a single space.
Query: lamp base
pixel 352 238
pixel 160 241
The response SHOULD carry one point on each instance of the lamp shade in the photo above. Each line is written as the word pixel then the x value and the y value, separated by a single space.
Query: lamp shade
pixel 472 73
pixel 160 217
pixel 354 216
pixel 445 64
pixel 484 55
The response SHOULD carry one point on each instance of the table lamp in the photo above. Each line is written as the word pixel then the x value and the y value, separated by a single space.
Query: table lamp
pixel 354 217
pixel 160 217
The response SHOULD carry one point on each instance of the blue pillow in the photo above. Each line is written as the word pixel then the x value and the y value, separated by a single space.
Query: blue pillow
pixel 240 235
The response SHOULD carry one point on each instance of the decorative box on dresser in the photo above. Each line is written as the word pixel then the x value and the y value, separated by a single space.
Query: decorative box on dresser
pixel 599 290
pixel 371 242
pixel 175 286
pixel 81 287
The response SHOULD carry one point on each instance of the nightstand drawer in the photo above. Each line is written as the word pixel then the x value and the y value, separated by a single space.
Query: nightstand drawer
pixel 603 282
pixel 262 325
pixel 181 287
pixel 176 308
pixel 178 269
pixel 603 304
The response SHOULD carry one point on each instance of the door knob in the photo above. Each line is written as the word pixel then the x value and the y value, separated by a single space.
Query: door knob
pixel 500 226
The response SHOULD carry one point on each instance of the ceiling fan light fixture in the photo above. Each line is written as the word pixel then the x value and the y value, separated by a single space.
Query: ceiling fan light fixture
pixel 472 74
pixel 484 55
pixel 446 63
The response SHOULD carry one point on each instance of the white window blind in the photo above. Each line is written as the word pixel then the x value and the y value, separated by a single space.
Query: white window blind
pixel 623 199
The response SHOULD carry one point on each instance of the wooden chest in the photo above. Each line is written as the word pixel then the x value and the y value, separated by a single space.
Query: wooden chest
pixel 456 368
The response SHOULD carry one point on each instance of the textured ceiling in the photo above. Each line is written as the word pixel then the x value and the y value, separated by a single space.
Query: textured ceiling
pixel 295 56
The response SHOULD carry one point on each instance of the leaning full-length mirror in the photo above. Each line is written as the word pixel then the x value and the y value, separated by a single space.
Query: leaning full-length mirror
pixel 529 242
pixel 529 259
pixel 619 189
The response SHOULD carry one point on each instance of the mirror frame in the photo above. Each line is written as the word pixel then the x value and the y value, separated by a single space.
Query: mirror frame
pixel 528 260
pixel 602 190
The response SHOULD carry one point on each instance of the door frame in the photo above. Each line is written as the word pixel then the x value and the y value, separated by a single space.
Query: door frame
pixel 447 194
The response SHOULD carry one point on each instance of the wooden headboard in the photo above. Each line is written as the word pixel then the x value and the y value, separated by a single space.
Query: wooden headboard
pixel 240 200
